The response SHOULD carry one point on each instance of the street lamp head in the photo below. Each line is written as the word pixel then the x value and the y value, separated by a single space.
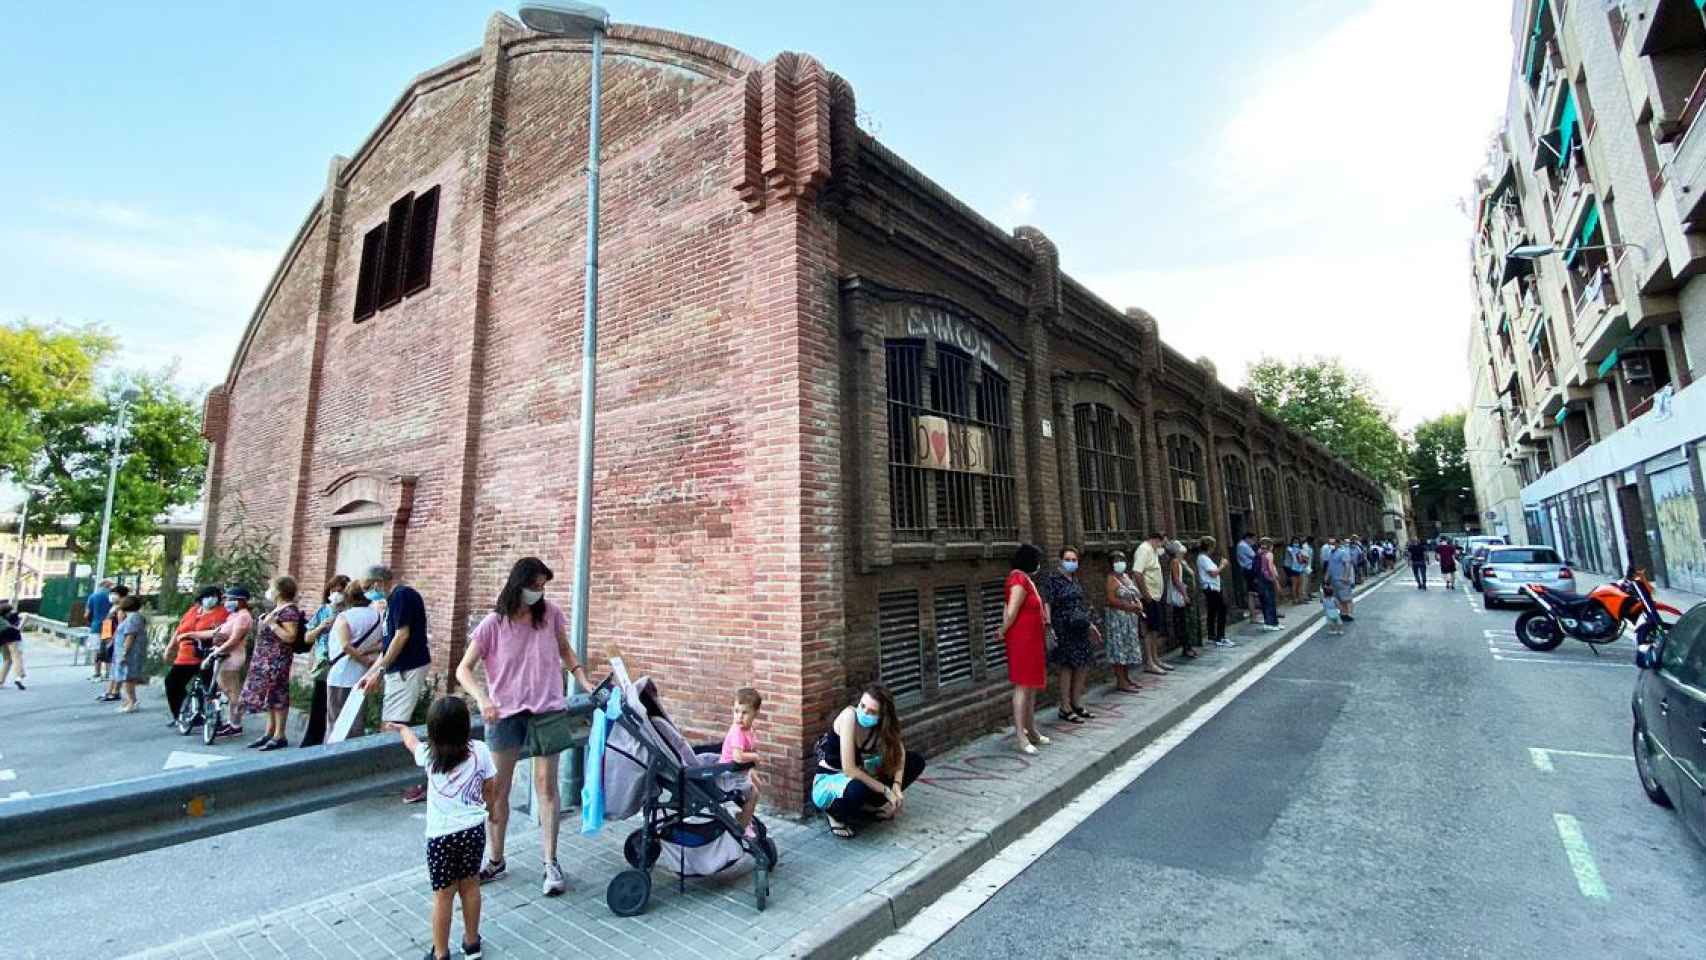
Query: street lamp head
pixel 574 20
pixel 1531 251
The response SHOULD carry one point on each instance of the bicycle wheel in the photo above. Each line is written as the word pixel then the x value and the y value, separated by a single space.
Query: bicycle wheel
pixel 214 718
pixel 188 711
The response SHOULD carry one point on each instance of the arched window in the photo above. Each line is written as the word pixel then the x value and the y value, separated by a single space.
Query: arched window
pixel 1107 471
pixel 1315 510
pixel 1294 503
pixel 1267 483
pixel 1185 467
pixel 950 446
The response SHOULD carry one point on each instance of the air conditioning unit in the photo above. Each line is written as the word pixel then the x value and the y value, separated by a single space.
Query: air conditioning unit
pixel 1637 369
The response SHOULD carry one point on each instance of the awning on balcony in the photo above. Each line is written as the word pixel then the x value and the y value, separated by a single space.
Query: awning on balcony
pixel 1606 365
pixel 1531 61
pixel 1567 125
pixel 1562 415
pixel 1535 332
pixel 1590 223
pixel 1515 267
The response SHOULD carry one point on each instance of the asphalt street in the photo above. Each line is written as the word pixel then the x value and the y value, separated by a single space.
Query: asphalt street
pixel 53 736
pixel 1421 787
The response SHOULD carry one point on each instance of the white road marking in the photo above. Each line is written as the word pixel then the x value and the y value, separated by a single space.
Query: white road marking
pixel 935 920
pixel 188 758
pixel 16 795
pixel 1568 663
pixel 1542 756
pixel 1581 858
pixel 8 775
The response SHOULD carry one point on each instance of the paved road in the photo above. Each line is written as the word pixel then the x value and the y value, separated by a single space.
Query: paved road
pixel 1378 795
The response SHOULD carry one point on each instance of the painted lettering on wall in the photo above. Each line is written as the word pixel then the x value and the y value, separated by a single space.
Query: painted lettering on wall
pixel 944 327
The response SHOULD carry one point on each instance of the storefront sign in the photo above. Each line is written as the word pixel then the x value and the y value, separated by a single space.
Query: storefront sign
pixel 944 327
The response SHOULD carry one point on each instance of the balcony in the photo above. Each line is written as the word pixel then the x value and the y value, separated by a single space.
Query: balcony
pixel 1599 312
pixel 1572 197
pixel 1670 40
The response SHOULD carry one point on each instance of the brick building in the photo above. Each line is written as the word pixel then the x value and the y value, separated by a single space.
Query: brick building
pixel 833 398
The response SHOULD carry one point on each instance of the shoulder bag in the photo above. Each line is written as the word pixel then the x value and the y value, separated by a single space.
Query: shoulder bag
pixel 549 734
pixel 323 669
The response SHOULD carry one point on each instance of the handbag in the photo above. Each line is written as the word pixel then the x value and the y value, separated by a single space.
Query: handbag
pixel 549 734
pixel 300 644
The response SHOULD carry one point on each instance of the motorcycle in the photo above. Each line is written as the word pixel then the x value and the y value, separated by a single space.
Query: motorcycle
pixel 1596 619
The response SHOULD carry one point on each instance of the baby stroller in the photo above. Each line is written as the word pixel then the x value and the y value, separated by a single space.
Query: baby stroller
pixel 684 795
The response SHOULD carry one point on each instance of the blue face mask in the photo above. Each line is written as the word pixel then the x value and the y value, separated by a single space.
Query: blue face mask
pixel 1070 566
pixel 866 720
pixel 375 595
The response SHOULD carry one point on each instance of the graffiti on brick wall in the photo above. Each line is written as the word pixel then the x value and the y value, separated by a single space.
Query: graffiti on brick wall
pixel 944 327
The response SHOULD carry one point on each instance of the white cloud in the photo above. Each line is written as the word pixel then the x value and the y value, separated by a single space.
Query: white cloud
pixel 1336 229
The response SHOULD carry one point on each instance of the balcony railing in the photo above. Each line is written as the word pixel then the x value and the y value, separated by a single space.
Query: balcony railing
pixel 1692 106
pixel 1600 292
pixel 1642 407
pixel 1545 375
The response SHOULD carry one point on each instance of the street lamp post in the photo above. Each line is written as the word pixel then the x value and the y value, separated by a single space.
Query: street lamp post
pixel 587 22
pixel 18 569
pixel 125 399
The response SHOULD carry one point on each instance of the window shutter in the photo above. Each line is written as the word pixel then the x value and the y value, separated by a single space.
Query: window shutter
pixel 900 647
pixel 367 279
pixel 953 636
pixel 992 597
pixel 423 227
pixel 391 269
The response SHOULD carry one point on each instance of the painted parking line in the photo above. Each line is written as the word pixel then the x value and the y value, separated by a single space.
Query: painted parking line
pixel 1541 757
pixel 16 795
pixel 8 775
pixel 1581 858
pixel 1566 663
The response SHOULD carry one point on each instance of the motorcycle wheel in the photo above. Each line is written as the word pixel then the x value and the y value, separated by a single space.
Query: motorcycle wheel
pixel 1537 631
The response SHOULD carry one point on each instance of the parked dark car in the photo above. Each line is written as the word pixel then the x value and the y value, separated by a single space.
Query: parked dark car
pixel 1669 737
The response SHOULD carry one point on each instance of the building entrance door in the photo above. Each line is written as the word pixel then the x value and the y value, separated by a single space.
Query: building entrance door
pixel 359 547
pixel 1634 528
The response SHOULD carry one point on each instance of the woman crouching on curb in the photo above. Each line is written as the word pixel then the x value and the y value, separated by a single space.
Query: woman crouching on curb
pixel 863 767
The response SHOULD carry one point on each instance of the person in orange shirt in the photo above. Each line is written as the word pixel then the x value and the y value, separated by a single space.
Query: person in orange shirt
pixel 207 613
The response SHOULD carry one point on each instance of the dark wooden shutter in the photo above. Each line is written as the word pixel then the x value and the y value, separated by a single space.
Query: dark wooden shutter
pixel 900 648
pixel 423 226
pixel 367 279
pixel 391 269
pixel 992 597
pixel 953 636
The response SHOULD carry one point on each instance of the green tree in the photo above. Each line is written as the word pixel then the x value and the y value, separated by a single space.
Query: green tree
pixel 42 369
pixel 1337 406
pixel 162 464
pixel 1439 471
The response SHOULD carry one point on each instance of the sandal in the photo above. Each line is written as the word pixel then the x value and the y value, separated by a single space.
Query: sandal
pixel 1085 714
pixel 841 830
pixel 1068 717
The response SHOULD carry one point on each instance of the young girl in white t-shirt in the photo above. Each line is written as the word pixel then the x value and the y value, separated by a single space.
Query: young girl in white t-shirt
pixel 460 784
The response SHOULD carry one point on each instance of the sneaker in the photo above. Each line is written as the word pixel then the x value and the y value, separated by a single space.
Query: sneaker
pixel 18 683
pixel 471 951
pixel 493 870
pixel 263 741
pixel 227 730
pixel 554 882
pixel 415 794
pixel 276 743
pixel 1271 629
pixel 1348 618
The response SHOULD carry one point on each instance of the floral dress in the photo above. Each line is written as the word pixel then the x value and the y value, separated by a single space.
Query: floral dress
pixel 1069 614
pixel 1125 647
pixel 268 685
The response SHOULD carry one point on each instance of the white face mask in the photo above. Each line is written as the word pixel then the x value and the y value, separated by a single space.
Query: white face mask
pixel 272 595
pixel 531 597
pixel 1119 566
pixel 336 598
pixel 208 603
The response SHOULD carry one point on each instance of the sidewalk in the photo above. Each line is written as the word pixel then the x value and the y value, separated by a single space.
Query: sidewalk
pixel 828 897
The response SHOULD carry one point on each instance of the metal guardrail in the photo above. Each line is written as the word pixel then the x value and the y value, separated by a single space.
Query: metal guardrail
pixel 33 621
pixel 71 828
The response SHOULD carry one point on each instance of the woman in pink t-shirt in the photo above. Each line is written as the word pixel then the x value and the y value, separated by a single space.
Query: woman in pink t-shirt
pixel 524 643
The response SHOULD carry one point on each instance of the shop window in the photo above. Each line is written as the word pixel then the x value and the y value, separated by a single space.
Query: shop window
pixel 1107 471
pixel 1185 467
pixel 950 446
pixel 396 256
pixel 992 598
pixel 900 647
pixel 953 636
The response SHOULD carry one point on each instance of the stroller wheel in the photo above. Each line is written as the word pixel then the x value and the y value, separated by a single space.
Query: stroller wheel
pixel 760 887
pixel 628 893
pixel 631 851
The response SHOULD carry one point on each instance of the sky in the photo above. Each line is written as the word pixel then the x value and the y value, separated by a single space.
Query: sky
pixel 1266 179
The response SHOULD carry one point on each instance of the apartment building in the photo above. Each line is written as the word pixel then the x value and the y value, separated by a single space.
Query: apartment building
pixel 1590 327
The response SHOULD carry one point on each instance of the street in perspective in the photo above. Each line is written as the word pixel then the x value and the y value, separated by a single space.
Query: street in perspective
pixel 1139 480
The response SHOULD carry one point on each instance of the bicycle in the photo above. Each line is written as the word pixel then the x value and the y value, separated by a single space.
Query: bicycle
pixel 204 703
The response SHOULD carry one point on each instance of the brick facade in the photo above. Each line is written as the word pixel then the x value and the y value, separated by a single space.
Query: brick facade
pixel 757 253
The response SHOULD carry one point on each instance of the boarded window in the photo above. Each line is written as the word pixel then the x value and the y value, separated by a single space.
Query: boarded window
pixel 391 265
pixel 367 279
pixel 900 648
pixel 950 447
pixel 423 229
pixel 953 636
pixel 1107 470
pixel 992 597
pixel 1185 467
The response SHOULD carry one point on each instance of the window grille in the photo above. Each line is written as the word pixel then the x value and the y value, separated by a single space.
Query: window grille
pixel 900 649
pixel 1107 470
pixel 950 447
pixel 953 636
pixel 1185 465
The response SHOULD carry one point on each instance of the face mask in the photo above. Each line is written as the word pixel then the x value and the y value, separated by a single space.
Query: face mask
pixel 231 605
pixel 272 595
pixel 531 597
pixel 1119 566
pixel 208 603
pixel 866 720
pixel 375 596
pixel 1070 566
pixel 336 598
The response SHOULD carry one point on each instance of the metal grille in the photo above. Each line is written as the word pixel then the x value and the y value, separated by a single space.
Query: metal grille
pixel 1238 497
pixel 1184 463
pixel 1107 470
pixel 1294 500
pixel 992 597
pixel 1268 484
pixel 900 647
pixel 964 503
pixel 953 636
pixel 1315 508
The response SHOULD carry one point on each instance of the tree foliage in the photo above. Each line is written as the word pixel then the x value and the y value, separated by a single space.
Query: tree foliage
pixel 1339 407
pixel 1439 467
pixel 245 557
pixel 42 368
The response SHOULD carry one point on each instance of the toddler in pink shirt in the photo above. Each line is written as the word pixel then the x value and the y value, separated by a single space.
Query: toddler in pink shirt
pixel 739 747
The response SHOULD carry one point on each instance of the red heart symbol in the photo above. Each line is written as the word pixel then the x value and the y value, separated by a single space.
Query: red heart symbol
pixel 940 442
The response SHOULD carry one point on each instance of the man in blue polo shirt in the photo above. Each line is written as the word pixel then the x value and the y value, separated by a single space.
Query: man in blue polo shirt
pixel 99 604
pixel 406 659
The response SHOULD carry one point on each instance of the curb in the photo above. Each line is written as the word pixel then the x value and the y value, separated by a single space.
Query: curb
pixel 883 910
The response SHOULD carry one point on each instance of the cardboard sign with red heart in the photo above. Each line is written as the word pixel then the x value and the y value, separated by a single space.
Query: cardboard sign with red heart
pixel 931 443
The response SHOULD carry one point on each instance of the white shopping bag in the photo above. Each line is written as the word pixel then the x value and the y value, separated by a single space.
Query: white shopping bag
pixel 346 716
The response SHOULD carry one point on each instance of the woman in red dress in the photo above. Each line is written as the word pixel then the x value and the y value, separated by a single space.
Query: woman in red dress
pixel 1022 630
